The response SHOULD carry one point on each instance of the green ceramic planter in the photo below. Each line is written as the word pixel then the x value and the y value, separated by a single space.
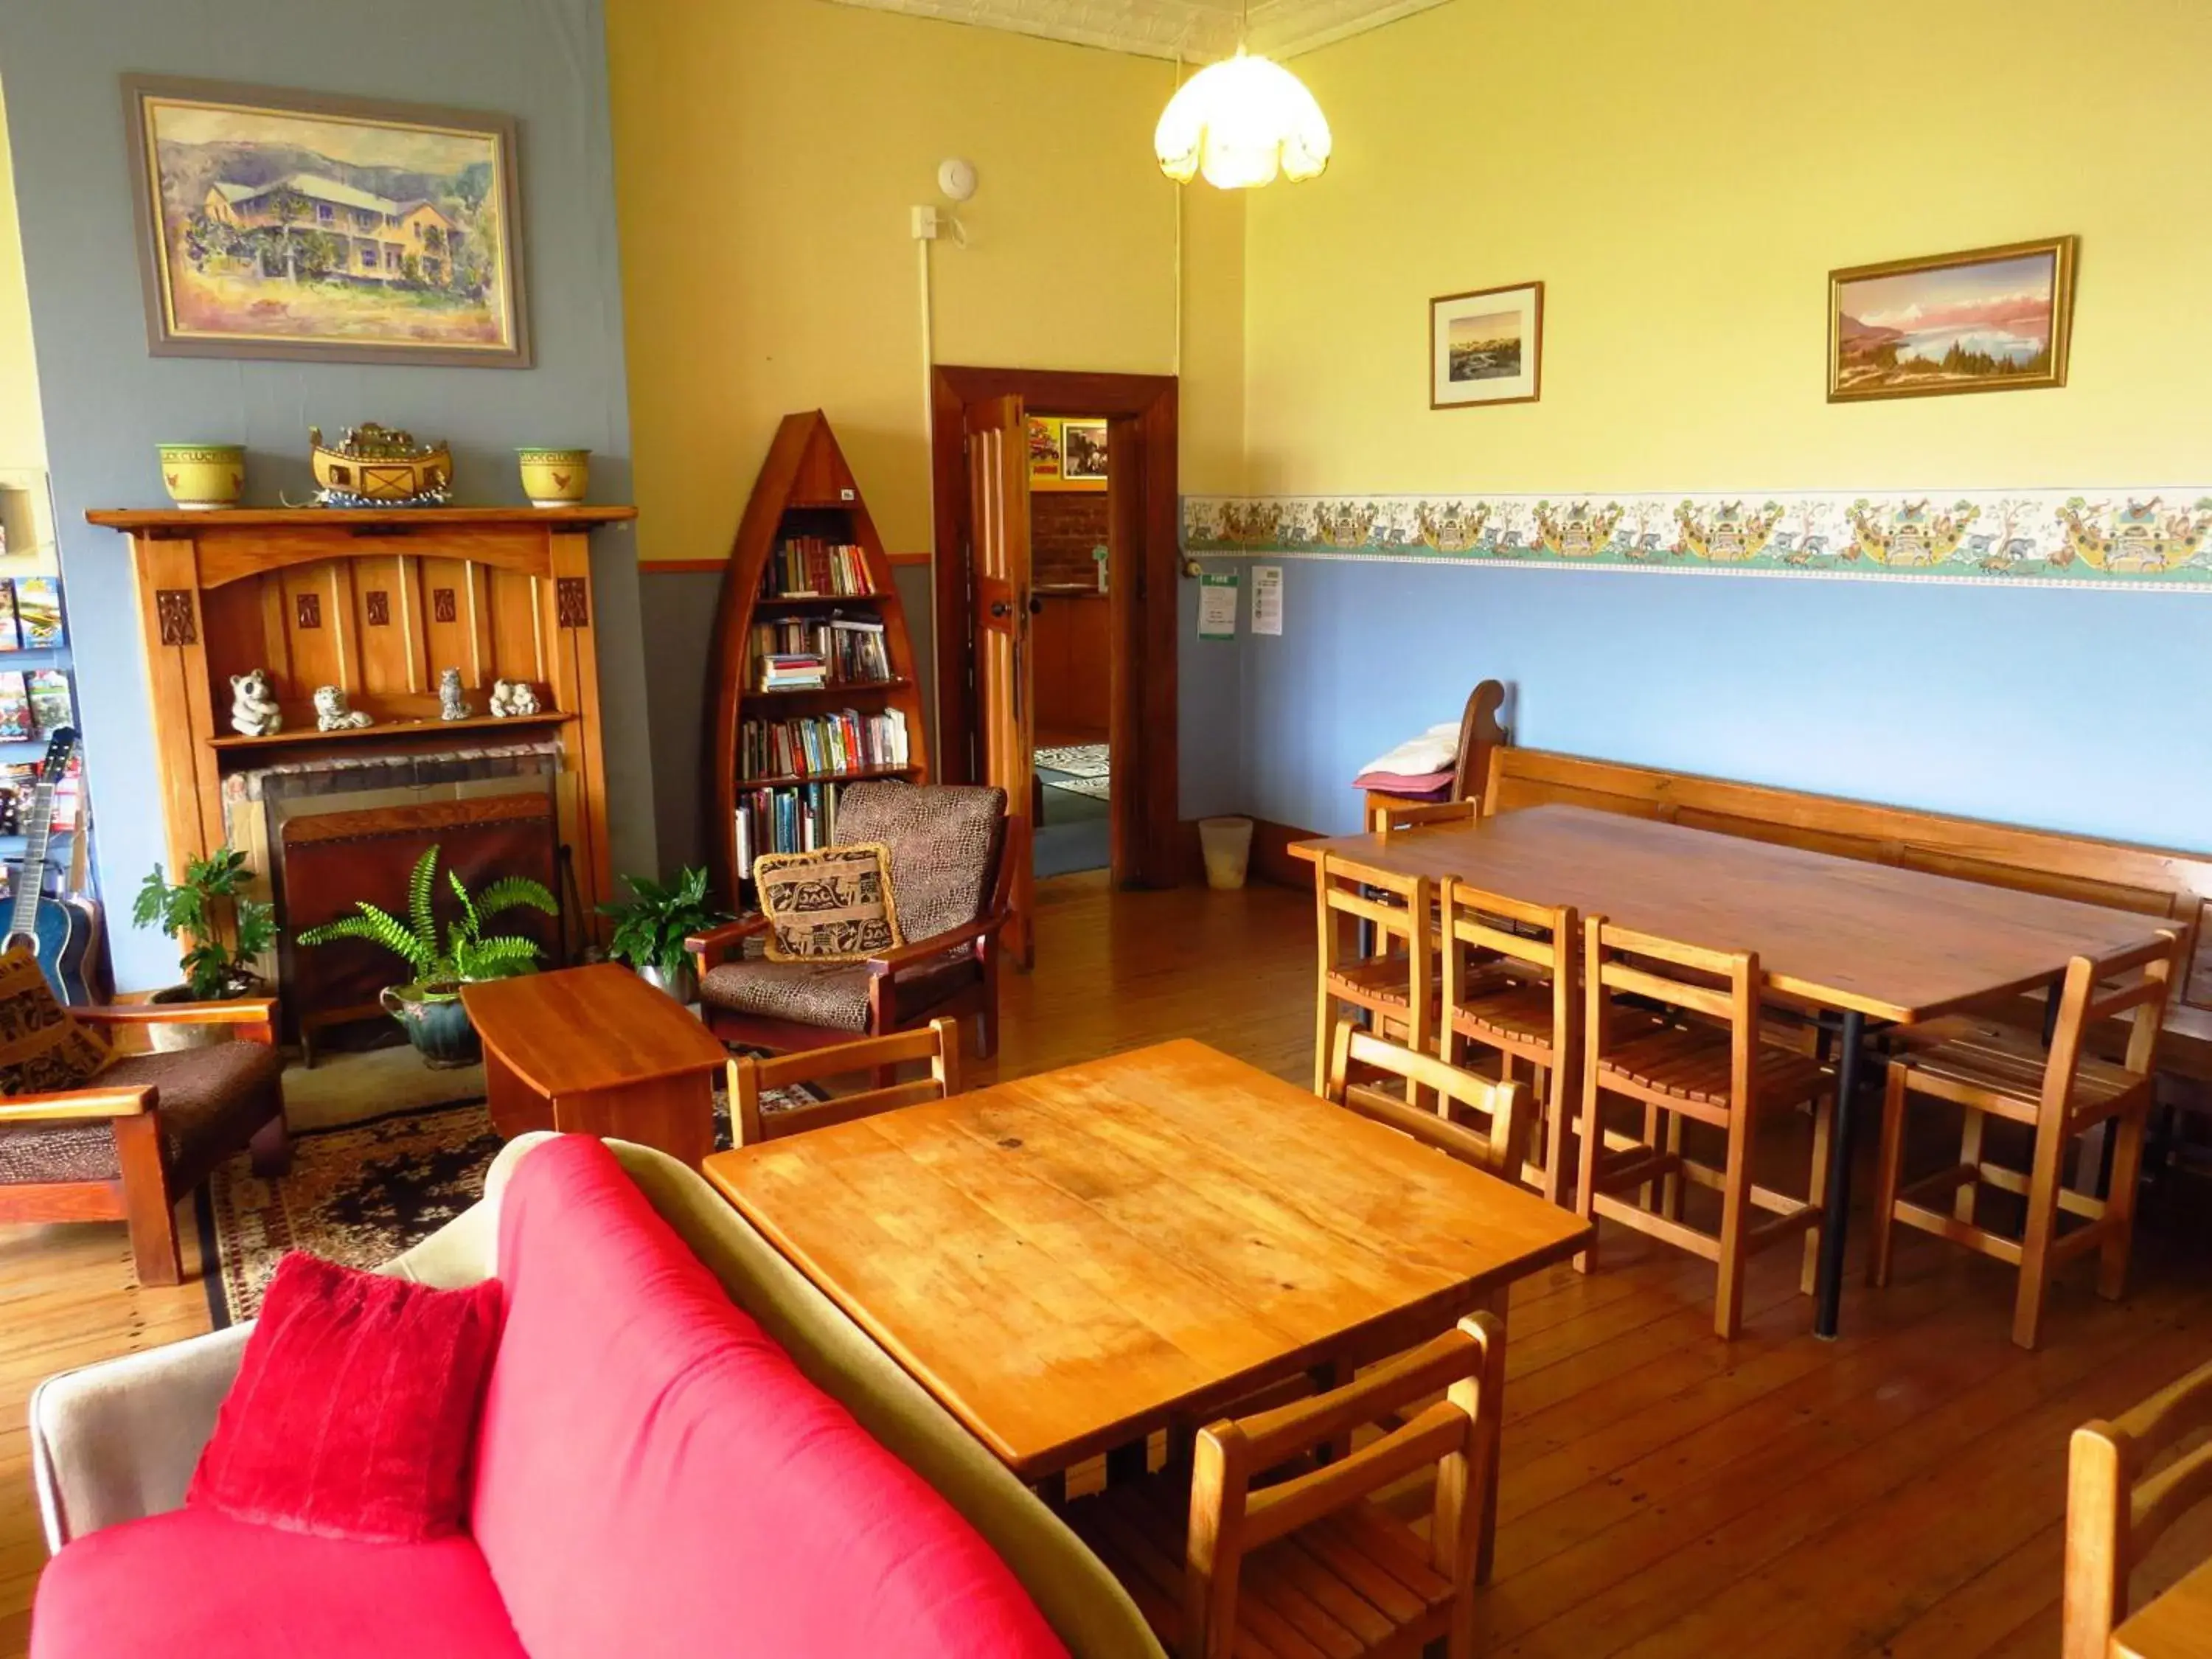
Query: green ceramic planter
pixel 436 1023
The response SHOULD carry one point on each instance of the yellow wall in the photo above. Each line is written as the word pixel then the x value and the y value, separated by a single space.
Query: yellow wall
pixel 767 153
pixel 22 435
pixel 1682 178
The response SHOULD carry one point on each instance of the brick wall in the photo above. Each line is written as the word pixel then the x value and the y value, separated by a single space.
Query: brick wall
pixel 1064 524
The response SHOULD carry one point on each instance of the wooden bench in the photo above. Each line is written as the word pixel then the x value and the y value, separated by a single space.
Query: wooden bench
pixel 2121 876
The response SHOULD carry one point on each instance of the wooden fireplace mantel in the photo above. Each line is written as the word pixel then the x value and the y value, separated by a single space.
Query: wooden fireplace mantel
pixel 378 602
pixel 383 519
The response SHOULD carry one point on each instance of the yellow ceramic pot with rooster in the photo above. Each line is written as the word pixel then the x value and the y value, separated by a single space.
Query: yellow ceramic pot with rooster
pixel 554 478
pixel 203 477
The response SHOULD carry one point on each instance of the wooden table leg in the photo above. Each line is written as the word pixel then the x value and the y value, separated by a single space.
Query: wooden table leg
pixel 1486 1553
pixel 1830 1289
pixel 514 1106
pixel 672 1115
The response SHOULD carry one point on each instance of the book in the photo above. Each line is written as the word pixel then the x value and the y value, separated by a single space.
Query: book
pixel 11 636
pixel 38 612
pixel 52 706
pixel 813 567
pixel 15 709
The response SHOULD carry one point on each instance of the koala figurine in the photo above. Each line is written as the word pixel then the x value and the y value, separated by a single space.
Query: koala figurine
pixel 332 714
pixel 510 697
pixel 253 711
pixel 451 705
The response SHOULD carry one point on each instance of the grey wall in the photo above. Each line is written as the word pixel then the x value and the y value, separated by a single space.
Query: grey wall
pixel 107 402
pixel 679 611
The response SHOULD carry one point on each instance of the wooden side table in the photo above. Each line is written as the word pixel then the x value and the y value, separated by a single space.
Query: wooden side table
pixel 596 1051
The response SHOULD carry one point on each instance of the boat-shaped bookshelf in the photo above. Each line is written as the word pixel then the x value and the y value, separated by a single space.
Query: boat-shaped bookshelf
pixel 810 585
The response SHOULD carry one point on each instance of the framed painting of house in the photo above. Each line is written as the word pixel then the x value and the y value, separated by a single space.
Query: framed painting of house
pixel 292 225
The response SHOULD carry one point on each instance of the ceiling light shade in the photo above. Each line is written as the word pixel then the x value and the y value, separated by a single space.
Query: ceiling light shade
pixel 1238 123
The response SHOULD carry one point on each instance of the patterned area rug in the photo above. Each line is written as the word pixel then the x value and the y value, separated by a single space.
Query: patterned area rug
pixel 358 1194
pixel 1091 788
pixel 1080 760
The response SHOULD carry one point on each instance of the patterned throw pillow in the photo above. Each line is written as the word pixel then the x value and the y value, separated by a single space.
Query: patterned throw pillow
pixel 43 1049
pixel 833 905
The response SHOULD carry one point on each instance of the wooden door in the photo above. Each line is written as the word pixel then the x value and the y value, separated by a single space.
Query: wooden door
pixel 997 431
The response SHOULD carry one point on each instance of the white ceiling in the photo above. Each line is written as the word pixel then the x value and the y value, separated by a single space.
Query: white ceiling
pixel 1194 30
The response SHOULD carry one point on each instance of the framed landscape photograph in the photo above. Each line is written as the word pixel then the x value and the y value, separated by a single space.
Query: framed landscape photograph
pixel 1486 347
pixel 1989 320
pixel 291 225
pixel 1083 452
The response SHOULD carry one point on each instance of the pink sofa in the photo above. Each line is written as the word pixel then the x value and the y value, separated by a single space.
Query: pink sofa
pixel 654 1475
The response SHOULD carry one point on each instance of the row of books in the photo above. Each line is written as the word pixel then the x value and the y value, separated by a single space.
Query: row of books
pixel 30 613
pixel 811 651
pixel 813 567
pixel 796 818
pixel 35 705
pixel 822 745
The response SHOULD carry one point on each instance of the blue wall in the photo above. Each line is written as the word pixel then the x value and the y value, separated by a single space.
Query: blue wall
pixel 2072 710
pixel 107 402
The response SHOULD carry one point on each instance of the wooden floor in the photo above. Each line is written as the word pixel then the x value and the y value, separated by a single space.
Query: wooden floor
pixel 1897 1492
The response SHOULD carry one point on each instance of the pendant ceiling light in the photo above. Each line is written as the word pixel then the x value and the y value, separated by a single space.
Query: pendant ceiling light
pixel 1240 122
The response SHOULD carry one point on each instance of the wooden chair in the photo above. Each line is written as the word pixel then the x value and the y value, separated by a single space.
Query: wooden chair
pixel 1509 985
pixel 1479 732
pixel 149 1128
pixel 951 876
pixel 1396 980
pixel 1718 1074
pixel 1312 1563
pixel 2122 1492
pixel 1500 1152
pixel 1406 817
pixel 751 1078
pixel 1993 1070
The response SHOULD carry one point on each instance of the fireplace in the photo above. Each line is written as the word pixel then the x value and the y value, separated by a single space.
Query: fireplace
pixel 381 603
pixel 331 831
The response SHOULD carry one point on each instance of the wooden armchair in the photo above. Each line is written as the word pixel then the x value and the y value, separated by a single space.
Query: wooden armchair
pixel 952 884
pixel 937 1043
pixel 1240 1567
pixel 147 1129
pixel 2123 1490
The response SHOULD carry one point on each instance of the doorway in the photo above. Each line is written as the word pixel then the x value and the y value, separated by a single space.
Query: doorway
pixel 1031 660
pixel 1070 649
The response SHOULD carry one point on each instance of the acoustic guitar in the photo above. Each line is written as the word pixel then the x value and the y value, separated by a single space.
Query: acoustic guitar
pixel 61 930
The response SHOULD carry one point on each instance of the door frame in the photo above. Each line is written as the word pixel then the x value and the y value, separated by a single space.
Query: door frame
pixel 1144 554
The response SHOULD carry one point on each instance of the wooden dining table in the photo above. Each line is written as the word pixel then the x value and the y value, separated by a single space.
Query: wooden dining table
pixel 1861 941
pixel 1071 1260
pixel 2176 1624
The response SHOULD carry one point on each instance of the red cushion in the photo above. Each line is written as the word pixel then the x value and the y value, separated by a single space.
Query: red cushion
pixel 354 1405
pixel 198 1583
pixel 654 1475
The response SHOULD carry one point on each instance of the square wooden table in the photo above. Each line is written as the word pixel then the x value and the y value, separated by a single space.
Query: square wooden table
pixel 1866 940
pixel 596 1051
pixel 1070 1261
pixel 2178 1625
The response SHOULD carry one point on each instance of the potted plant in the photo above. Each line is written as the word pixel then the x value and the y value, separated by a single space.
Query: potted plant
pixel 650 930
pixel 429 1005
pixel 196 908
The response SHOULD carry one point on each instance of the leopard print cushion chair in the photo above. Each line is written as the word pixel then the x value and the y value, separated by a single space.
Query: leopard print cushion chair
pixel 947 843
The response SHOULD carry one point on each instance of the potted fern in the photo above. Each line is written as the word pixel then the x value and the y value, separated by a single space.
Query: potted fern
pixel 650 930
pixel 216 969
pixel 429 1005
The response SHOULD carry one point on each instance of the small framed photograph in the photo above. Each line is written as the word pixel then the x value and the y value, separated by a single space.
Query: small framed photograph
pixel 1044 449
pixel 1989 320
pixel 1083 452
pixel 1486 347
